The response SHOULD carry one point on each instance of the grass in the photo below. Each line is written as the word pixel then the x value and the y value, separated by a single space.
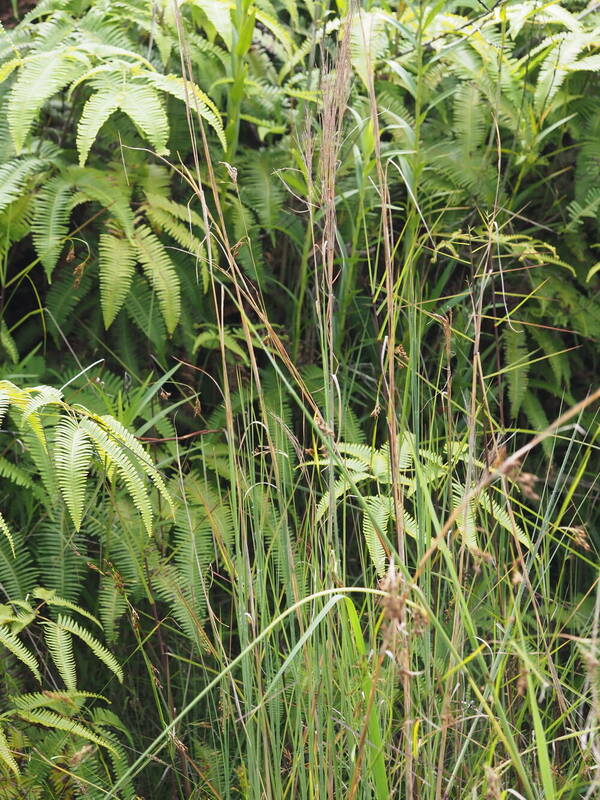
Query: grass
pixel 425 626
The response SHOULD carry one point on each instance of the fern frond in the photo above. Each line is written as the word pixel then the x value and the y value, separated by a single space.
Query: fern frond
pixel 40 77
pixel 96 111
pixel 112 606
pixel 465 522
pixel 52 599
pixel 5 530
pixel 14 176
pixel 117 267
pixel 8 343
pixel 503 518
pixel 50 719
pixel 72 456
pixel 194 98
pixel 70 698
pixel 44 396
pixel 376 520
pixel 95 646
pixel 111 453
pixel 6 755
pixel 161 273
pixel 18 649
pixel 142 104
pixel 60 646
pixel 50 225
pixel 17 573
pixel 124 437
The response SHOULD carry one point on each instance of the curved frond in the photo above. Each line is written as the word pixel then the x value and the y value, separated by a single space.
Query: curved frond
pixel 193 96
pixel 72 456
pixel 161 273
pixel 60 645
pixel 6 755
pixel 111 453
pixel 18 649
pixel 50 226
pixel 40 77
pixel 49 719
pixel 95 646
pixel 117 267
pixel 96 111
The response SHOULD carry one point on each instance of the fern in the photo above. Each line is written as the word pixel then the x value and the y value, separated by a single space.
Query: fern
pixel 112 455
pixel 18 649
pixel 50 719
pixel 60 646
pixel 6 755
pixel 96 111
pixel 52 211
pixel 376 519
pixel 161 273
pixel 193 96
pixel 14 176
pixel 117 267
pixel 102 654
pixel 17 573
pixel 5 530
pixel 52 599
pixel 40 77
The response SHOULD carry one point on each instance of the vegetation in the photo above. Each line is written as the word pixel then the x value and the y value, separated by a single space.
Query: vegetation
pixel 299 321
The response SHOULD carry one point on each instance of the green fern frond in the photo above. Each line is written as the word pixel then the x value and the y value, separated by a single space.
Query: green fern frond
pixel 376 520
pixel 18 649
pixel 8 343
pixel 17 573
pixel 55 701
pixel 111 453
pixel 60 646
pixel 340 488
pixel 193 96
pixel 95 646
pixel 96 111
pixel 14 176
pixel 52 599
pixel 142 105
pixel 40 77
pixel 112 605
pixel 124 437
pixel 50 225
pixel 502 517
pixel 161 273
pixel 5 530
pixel 50 719
pixel 6 755
pixel 44 396
pixel 117 267
pixel 470 121
pixel 465 522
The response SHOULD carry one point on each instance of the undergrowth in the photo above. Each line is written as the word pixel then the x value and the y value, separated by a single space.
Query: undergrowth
pixel 299 322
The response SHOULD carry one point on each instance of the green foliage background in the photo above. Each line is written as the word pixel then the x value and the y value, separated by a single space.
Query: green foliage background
pixel 283 284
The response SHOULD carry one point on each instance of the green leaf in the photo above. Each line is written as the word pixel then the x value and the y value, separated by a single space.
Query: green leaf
pixel 18 649
pixel 95 646
pixel 95 112
pixel 60 644
pixel 161 273
pixel 6 755
pixel 41 76
pixel 72 456
pixel 117 267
